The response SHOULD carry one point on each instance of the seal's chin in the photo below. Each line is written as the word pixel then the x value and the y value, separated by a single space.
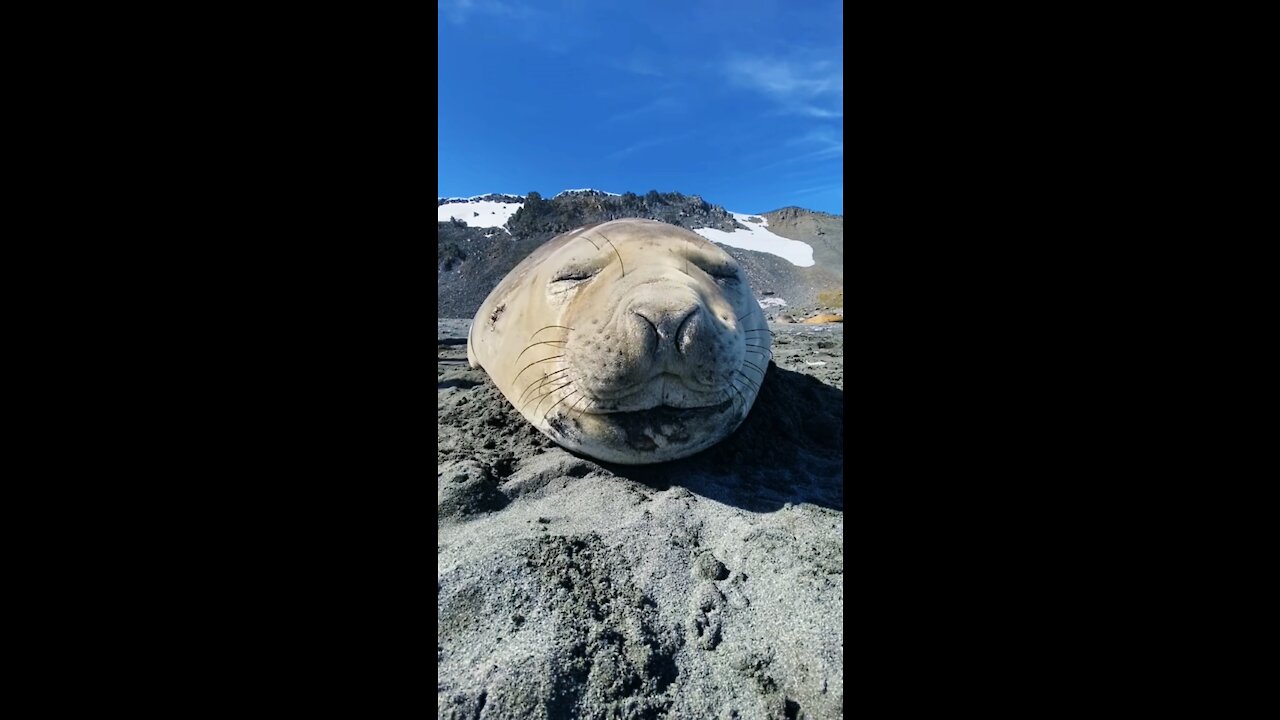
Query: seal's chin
pixel 639 423
pixel 639 437
pixel 661 390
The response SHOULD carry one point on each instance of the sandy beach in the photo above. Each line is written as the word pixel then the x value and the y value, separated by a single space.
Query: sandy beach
pixel 709 587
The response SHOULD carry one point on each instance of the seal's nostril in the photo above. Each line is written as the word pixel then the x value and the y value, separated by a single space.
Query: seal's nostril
pixel 671 325
pixel 682 338
pixel 653 329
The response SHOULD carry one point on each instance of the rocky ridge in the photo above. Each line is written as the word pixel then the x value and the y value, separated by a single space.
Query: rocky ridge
pixel 491 197
pixel 821 231
pixel 471 261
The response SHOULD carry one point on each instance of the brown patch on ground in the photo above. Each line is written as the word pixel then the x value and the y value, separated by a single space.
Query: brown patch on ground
pixel 824 318
pixel 831 298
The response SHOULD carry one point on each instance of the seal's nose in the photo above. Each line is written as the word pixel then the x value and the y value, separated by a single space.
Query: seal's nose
pixel 670 321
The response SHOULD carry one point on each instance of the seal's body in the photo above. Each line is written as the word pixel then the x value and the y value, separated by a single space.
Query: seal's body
pixel 632 341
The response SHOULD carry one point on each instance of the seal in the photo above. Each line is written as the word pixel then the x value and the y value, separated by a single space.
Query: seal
pixel 631 341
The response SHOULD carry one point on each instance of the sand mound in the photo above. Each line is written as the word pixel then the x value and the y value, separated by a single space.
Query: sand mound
pixel 709 587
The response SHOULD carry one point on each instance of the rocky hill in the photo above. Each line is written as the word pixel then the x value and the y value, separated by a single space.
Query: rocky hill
pixel 492 197
pixel 574 209
pixel 825 234
pixel 472 260
pixel 822 231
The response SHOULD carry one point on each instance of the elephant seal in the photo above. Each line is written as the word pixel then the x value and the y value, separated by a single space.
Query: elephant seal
pixel 824 318
pixel 631 341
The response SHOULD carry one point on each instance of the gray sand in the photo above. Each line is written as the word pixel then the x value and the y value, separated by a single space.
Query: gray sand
pixel 709 587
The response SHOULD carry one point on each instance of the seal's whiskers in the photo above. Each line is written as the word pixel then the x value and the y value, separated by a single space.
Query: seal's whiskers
pixel 735 389
pixel 553 407
pixel 540 382
pixel 579 400
pixel 541 342
pixel 549 327
pixel 543 396
pixel 535 362
pixel 748 379
pixel 615 252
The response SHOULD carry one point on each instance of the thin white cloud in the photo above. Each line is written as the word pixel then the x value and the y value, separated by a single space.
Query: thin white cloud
pixel 811 88
pixel 459 11
pixel 815 145
pixel 818 137
pixel 818 112
pixel 818 189
pixel 662 104
pixel 632 149
pixel 825 153
pixel 639 66
pixel 652 142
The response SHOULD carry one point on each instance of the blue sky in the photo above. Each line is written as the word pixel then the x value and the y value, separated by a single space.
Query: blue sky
pixel 739 101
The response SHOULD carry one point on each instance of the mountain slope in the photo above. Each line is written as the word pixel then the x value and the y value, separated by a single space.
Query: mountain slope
pixel 788 262
pixel 821 231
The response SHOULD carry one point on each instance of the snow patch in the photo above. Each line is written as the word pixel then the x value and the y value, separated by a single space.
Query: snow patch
pixel 491 214
pixel 757 237
pixel 476 197
pixel 773 302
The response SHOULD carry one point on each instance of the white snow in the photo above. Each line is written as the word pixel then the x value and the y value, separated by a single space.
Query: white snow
pixel 476 197
pixel 772 302
pixel 578 190
pixel 758 238
pixel 491 214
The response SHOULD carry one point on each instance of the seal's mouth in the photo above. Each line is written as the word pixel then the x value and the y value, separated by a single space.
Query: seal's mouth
pixel 665 414
pixel 659 429
pixel 663 391
pixel 661 409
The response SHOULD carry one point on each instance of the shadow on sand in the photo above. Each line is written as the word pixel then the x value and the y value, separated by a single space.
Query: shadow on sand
pixel 790 449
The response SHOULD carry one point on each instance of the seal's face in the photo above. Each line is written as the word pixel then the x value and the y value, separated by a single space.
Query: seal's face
pixel 652 349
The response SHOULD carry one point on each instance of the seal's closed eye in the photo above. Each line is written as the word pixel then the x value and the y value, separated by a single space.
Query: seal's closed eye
pixel 721 266
pixel 720 271
pixel 574 274
pixel 577 271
